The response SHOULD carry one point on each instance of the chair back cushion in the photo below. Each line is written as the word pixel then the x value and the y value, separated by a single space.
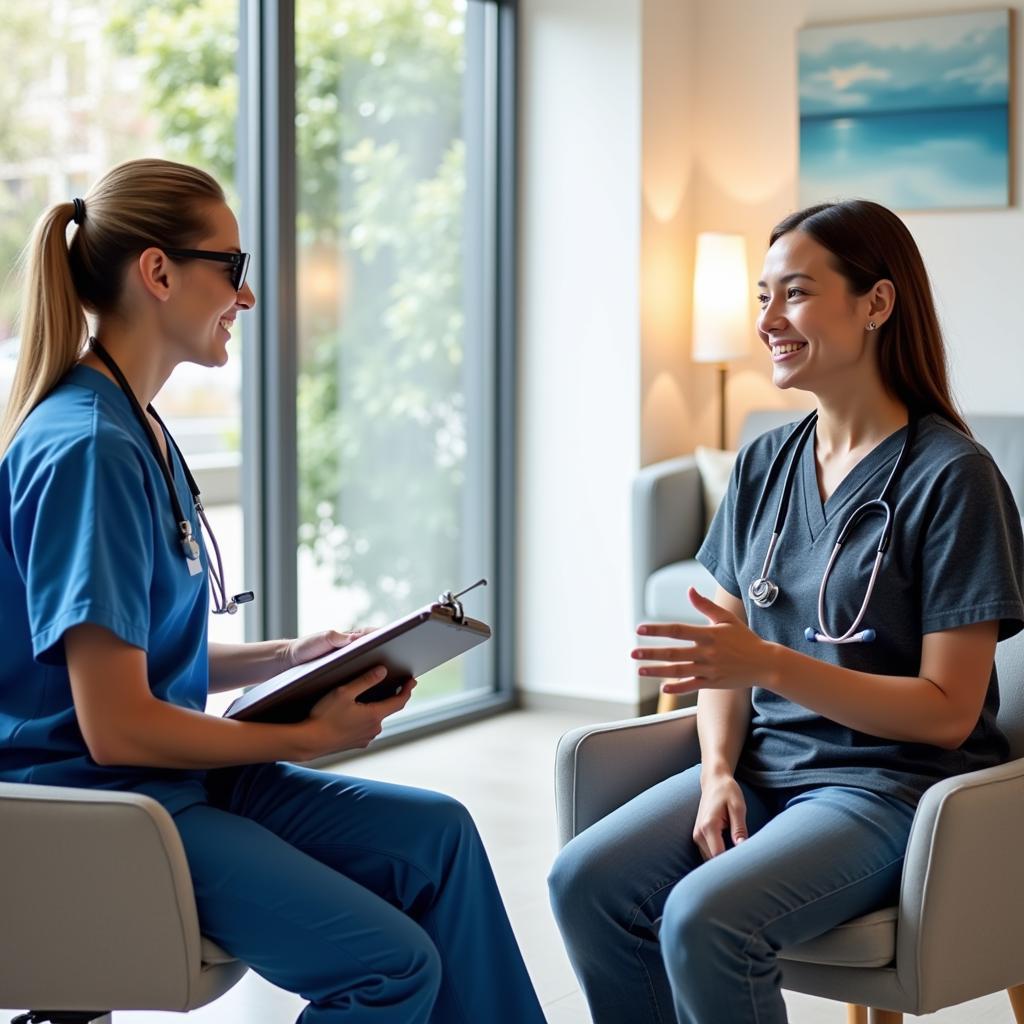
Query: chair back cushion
pixel 1010 666
pixel 1003 437
pixel 760 421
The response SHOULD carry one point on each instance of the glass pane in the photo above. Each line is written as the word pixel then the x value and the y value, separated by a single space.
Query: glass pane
pixel 88 84
pixel 395 364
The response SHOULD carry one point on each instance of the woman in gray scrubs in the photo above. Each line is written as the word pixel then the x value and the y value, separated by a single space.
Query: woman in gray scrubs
pixel 832 690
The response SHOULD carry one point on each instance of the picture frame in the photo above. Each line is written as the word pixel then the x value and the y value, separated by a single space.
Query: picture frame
pixel 912 112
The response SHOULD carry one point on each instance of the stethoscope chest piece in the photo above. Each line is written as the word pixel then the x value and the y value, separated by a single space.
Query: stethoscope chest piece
pixel 189 545
pixel 763 592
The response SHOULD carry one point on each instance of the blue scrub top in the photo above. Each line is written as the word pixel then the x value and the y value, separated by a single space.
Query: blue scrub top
pixel 955 558
pixel 87 534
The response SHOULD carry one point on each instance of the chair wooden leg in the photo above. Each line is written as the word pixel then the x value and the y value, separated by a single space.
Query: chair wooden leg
pixel 1016 995
pixel 669 702
pixel 884 1017
pixel 856 1014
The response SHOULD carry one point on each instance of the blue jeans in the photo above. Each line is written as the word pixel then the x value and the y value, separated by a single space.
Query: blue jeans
pixel 374 902
pixel 656 934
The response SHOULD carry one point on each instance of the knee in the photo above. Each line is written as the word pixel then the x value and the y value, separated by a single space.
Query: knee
pixel 405 971
pixel 414 969
pixel 564 878
pixel 699 921
pixel 423 973
pixel 581 873
pixel 452 821
pixel 452 814
pixel 682 918
pixel 451 832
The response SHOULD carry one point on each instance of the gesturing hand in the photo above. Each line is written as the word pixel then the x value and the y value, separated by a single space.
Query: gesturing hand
pixel 726 654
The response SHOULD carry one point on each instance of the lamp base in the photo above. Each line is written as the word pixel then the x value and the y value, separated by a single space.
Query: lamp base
pixel 721 405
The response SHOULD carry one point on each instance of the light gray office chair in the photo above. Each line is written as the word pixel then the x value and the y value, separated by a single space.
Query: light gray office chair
pixel 98 911
pixel 958 931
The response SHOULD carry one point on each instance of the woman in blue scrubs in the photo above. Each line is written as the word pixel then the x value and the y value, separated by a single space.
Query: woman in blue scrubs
pixel 375 902
pixel 833 689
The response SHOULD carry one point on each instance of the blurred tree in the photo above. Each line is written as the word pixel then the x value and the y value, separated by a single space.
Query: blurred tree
pixel 26 52
pixel 380 232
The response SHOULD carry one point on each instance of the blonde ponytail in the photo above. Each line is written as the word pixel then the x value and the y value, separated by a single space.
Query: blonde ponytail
pixel 52 321
pixel 135 205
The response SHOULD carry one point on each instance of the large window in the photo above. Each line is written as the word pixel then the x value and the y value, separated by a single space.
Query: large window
pixel 350 461
pixel 395 352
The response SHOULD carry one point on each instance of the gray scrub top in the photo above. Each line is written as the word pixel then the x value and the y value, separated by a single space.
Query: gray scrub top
pixel 956 557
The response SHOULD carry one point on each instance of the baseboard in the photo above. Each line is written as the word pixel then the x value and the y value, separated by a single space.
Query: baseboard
pixel 586 707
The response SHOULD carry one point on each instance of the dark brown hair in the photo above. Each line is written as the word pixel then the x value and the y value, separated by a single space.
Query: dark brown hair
pixel 870 243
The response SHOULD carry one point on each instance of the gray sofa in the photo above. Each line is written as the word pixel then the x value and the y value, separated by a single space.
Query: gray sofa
pixel 668 513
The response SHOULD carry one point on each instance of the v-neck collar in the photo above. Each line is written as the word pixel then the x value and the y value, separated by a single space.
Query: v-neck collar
pixel 818 513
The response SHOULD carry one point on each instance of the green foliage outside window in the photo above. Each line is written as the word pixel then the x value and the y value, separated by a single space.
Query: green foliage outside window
pixel 380 235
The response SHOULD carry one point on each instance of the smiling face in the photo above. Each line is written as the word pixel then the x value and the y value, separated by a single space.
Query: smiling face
pixel 206 303
pixel 815 328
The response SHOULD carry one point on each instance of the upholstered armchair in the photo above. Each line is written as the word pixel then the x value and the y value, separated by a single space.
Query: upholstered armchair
pixel 98 908
pixel 957 932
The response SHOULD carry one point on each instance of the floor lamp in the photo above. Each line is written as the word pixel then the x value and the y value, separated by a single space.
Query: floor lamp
pixel 721 307
pixel 721 327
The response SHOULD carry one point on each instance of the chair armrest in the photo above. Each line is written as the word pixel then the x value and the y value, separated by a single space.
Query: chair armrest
pixel 600 767
pixel 960 932
pixel 97 901
pixel 668 520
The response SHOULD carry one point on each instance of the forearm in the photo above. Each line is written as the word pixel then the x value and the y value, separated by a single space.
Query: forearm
pixel 723 718
pixel 156 734
pixel 911 709
pixel 235 665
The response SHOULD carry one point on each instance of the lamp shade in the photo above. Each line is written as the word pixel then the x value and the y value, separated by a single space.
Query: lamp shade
pixel 721 299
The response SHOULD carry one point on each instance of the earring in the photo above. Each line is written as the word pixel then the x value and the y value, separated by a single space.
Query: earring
pixel 872 326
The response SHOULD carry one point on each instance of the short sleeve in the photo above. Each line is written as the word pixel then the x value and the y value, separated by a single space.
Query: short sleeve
pixel 718 552
pixel 972 553
pixel 82 541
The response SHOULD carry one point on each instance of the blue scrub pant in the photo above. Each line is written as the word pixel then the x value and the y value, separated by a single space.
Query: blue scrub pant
pixel 656 934
pixel 375 902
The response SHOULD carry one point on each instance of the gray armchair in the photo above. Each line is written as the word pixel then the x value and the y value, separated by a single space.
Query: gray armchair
pixel 668 527
pixel 958 931
pixel 668 514
pixel 98 908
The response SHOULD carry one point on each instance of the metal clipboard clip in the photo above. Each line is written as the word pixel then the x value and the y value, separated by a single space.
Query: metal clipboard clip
pixel 453 604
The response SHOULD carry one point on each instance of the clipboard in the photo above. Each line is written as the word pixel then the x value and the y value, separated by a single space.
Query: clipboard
pixel 408 647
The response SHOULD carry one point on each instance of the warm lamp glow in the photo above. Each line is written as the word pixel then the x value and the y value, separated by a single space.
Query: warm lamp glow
pixel 721 299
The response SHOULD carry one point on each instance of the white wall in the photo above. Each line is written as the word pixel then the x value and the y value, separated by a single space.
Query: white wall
pixel 579 342
pixel 668 154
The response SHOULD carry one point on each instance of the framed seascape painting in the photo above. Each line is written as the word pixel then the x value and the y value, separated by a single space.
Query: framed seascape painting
pixel 911 112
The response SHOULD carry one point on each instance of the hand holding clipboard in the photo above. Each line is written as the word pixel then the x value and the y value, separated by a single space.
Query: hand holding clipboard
pixel 406 648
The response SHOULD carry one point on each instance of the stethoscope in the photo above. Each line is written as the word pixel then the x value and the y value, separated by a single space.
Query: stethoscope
pixel 763 592
pixel 189 545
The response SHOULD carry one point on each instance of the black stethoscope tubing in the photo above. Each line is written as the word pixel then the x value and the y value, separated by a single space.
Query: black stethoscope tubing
pixel 763 592
pixel 189 545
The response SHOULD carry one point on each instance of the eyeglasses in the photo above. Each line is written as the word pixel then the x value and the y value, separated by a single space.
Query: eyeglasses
pixel 239 261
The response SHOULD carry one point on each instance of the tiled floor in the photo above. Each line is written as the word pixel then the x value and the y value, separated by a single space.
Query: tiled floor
pixel 501 769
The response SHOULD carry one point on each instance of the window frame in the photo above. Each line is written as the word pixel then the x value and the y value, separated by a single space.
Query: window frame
pixel 267 180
